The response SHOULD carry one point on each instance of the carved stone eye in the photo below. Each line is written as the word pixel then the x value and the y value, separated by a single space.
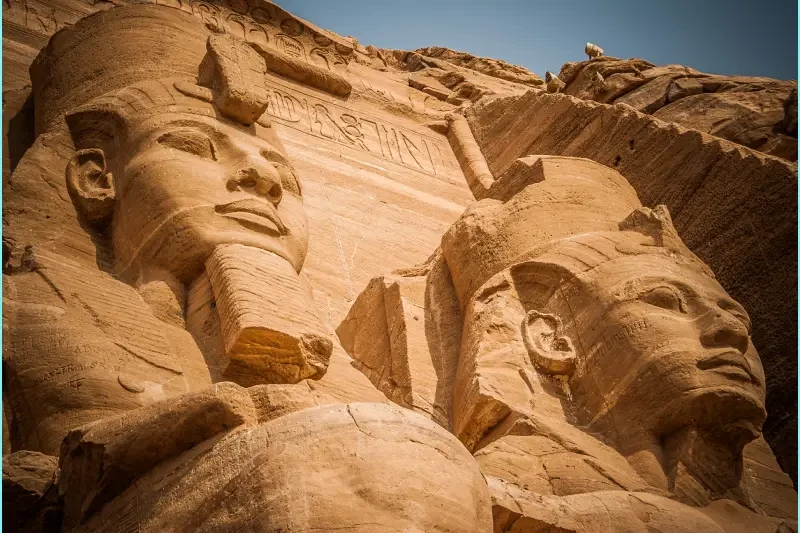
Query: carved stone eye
pixel 666 298
pixel 288 179
pixel 191 141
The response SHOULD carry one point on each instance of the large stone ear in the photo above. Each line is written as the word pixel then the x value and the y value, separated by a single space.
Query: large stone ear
pixel 91 185
pixel 550 350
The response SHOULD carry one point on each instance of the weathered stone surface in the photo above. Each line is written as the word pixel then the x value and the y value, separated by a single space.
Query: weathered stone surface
pixel 196 193
pixel 683 87
pixel 30 499
pixel 403 335
pixel 746 118
pixel 451 78
pixel 347 453
pixel 754 112
pixel 650 97
pixel 627 75
pixel 495 68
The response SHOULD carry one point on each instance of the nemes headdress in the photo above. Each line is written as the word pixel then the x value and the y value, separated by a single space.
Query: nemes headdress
pixel 562 217
pixel 145 59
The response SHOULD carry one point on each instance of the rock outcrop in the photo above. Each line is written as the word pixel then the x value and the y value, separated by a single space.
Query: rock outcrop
pixel 751 111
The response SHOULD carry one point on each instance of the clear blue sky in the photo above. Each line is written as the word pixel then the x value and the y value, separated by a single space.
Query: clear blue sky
pixel 755 37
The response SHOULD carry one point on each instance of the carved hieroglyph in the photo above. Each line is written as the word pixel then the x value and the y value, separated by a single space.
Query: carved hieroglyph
pixel 586 357
pixel 212 185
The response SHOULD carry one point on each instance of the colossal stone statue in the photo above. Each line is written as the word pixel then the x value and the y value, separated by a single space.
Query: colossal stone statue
pixel 204 176
pixel 128 344
pixel 602 375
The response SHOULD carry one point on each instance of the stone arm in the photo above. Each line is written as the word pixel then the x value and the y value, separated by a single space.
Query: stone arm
pixel 101 460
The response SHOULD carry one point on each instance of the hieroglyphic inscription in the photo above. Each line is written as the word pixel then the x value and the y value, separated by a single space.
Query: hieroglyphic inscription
pixel 72 368
pixel 610 340
pixel 370 134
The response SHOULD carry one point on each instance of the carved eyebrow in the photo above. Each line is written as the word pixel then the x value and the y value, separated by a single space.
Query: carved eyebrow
pixel 272 154
pixel 640 286
pixel 735 307
pixel 208 129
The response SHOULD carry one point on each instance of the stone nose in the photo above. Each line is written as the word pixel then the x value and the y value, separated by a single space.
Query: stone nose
pixel 259 178
pixel 725 330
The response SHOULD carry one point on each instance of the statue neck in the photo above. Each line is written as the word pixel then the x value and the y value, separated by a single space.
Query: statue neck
pixel 702 466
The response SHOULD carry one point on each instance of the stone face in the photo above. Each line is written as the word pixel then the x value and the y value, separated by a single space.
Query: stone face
pixel 212 321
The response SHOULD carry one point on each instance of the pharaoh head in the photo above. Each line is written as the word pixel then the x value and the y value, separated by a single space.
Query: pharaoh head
pixel 173 161
pixel 563 271
pixel 173 155
pixel 174 180
pixel 646 337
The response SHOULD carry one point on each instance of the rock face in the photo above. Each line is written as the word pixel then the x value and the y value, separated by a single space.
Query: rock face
pixel 213 320
pixel 754 112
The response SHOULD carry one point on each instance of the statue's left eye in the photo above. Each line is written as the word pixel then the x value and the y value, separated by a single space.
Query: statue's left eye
pixel 191 141
pixel 666 298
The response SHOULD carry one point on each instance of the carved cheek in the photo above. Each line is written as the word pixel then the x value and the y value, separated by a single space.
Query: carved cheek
pixel 293 216
pixel 637 341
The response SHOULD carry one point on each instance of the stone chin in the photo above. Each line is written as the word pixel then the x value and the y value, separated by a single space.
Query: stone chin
pixel 182 243
pixel 729 412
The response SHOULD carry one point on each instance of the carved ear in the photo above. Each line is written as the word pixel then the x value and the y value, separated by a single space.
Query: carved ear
pixel 91 185
pixel 551 351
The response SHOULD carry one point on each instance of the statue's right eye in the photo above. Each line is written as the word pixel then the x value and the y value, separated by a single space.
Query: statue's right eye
pixel 190 141
pixel 666 298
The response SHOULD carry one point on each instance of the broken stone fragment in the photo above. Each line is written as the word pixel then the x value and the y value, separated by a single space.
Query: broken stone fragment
pixel 237 79
pixel 30 497
pixel 683 87
pixel 270 328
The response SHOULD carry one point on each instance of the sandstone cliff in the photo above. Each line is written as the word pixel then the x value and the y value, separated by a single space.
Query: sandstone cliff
pixel 756 112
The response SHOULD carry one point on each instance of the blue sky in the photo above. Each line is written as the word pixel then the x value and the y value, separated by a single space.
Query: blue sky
pixel 756 38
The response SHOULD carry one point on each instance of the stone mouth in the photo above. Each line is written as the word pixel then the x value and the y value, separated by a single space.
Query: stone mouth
pixel 730 363
pixel 253 212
